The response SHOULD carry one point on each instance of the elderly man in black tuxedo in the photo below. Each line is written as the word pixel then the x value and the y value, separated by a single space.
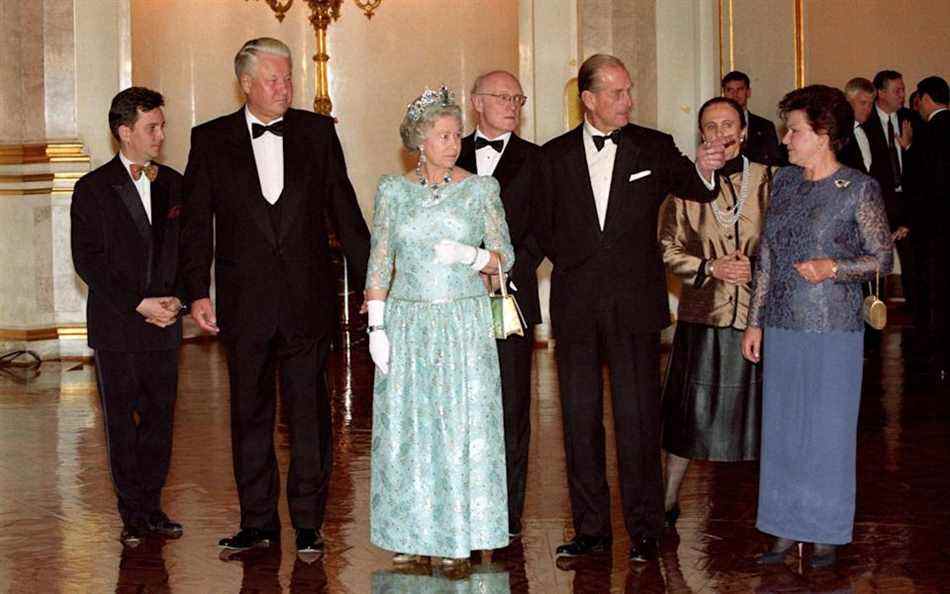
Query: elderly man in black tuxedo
pixel 125 218
pixel 598 195
pixel 494 149
pixel 761 143
pixel 262 182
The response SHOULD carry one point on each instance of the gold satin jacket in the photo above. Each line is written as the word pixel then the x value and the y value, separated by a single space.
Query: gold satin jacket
pixel 690 237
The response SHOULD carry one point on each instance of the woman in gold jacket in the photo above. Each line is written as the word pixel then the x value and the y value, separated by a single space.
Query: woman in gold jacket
pixel 712 395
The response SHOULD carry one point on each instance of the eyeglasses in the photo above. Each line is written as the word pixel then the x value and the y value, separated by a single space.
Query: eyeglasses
pixel 516 100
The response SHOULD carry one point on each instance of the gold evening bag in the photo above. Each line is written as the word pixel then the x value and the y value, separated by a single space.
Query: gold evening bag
pixel 873 309
pixel 505 313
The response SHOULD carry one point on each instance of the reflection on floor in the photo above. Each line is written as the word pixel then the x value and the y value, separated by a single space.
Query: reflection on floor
pixel 60 528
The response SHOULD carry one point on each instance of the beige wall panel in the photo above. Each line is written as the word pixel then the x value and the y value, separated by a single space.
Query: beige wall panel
pixel 848 38
pixel 376 66
pixel 763 45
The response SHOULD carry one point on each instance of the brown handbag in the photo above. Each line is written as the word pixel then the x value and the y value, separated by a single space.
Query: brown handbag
pixel 873 309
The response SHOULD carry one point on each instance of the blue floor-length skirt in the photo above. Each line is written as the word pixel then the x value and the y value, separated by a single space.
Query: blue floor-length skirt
pixel 438 483
pixel 811 394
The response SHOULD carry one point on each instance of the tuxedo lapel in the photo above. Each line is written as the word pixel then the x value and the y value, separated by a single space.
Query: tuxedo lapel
pixel 466 158
pixel 295 171
pixel 621 196
pixel 125 189
pixel 576 162
pixel 245 171
pixel 510 162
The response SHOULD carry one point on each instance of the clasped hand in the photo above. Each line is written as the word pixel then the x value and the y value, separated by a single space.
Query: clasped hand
pixel 159 311
pixel 816 271
pixel 734 268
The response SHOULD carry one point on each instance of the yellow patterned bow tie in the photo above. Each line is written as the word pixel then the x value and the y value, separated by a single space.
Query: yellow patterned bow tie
pixel 151 171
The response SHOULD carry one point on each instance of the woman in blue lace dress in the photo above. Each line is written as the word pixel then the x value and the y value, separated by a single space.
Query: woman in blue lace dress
pixel 438 450
pixel 825 234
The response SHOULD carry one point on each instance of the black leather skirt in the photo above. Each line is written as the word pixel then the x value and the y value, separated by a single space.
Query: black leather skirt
pixel 712 398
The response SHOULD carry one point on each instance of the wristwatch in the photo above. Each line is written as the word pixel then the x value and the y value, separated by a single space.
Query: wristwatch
pixel 371 329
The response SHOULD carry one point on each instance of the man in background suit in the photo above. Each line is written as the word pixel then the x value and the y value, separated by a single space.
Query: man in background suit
pixel 262 182
pixel 932 189
pixel 889 132
pixel 125 247
pixel 494 149
pixel 598 193
pixel 761 143
pixel 860 93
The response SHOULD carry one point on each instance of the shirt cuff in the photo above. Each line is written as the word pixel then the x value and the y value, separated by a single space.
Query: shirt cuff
pixel 710 184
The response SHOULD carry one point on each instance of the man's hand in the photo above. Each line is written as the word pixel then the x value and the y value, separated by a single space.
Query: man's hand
pixel 907 135
pixel 710 156
pixel 900 233
pixel 158 311
pixel 202 312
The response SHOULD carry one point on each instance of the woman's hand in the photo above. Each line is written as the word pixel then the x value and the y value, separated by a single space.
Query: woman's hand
pixel 816 271
pixel 752 344
pixel 735 269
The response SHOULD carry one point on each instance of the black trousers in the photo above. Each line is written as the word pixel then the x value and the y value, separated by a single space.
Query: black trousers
pixel 514 357
pixel 138 392
pixel 254 365
pixel 633 363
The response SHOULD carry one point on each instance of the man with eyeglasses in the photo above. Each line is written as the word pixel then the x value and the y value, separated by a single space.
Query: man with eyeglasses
pixel 494 149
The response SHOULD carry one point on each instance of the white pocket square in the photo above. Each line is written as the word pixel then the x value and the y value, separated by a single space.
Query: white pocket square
pixel 639 175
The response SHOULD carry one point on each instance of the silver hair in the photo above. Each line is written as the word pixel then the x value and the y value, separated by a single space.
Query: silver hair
pixel 477 85
pixel 246 59
pixel 419 121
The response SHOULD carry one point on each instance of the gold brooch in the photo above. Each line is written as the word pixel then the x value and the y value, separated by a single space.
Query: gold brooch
pixel 842 183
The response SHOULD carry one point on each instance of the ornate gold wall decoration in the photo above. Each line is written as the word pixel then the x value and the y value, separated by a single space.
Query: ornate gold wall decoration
pixel 799 43
pixel 322 13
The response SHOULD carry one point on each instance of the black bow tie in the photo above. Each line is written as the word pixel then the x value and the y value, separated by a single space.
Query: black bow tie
pixel 600 140
pixel 481 142
pixel 277 129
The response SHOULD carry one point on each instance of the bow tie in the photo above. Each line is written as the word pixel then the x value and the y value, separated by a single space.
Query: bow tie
pixel 277 129
pixel 150 170
pixel 600 140
pixel 481 142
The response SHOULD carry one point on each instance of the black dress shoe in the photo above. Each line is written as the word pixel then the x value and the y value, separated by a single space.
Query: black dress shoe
pixel 249 538
pixel 780 549
pixel 583 545
pixel 671 515
pixel 644 549
pixel 824 556
pixel 309 541
pixel 159 523
pixel 132 535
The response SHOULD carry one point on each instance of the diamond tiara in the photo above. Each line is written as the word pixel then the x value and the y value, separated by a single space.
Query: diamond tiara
pixel 429 98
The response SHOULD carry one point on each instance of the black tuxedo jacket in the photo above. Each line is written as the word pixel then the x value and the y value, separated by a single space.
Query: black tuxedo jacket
pixel 931 172
pixel 265 277
pixel 515 174
pixel 894 204
pixel 622 263
pixel 761 143
pixel 123 258
pixel 850 154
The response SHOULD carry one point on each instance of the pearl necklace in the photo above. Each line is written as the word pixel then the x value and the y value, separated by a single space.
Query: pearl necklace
pixel 730 216
pixel 433 188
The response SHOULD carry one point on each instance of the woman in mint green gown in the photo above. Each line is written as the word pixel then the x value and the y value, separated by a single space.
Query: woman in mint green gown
pixel 438 456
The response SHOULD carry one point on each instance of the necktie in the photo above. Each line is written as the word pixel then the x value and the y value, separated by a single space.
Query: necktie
pixel 600 140
pixel 150 170
pixel 277 129
pixel 481 142
pixel 892 153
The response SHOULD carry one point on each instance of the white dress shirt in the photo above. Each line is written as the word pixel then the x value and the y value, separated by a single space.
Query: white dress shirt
pixel 600 164
pixel 142 185
pixel 269 156
pixel 884 117
pixel 487 158
pixel 863 144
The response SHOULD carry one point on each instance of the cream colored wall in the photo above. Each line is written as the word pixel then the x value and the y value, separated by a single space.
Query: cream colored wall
pixel 849 38
pixel 376 66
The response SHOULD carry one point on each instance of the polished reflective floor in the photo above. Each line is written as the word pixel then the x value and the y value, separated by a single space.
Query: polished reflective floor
pixel 59 527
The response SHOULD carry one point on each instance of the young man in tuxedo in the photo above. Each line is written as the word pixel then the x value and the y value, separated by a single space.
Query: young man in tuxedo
pixel 494 149
pixel 125 231
pixel 598 192
pixel 262 182
pixel 761 143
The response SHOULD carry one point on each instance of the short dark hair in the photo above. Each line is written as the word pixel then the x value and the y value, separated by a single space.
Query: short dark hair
pixel 881 78
pixel 734 76
pixel 936 87
pixel 827 110
pixel 730 102
pixel 587 75
pixel 127 105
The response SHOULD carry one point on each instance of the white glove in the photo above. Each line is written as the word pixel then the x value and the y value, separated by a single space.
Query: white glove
pixel 378 341
pixel 452 252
